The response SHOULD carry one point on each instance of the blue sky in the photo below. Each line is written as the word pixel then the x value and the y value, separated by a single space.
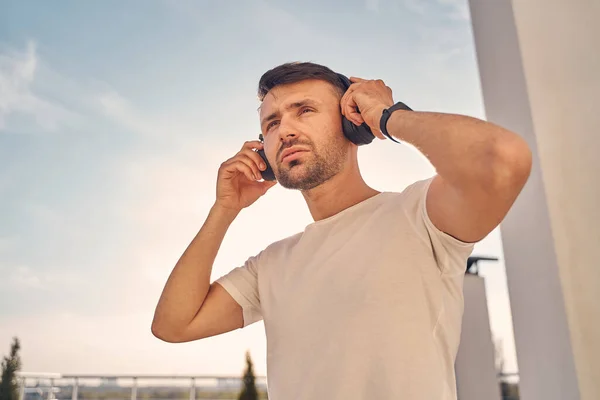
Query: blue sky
pixel 114 117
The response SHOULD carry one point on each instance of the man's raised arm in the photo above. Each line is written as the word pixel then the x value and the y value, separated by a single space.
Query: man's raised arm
pixel 190 307
pixel 481 167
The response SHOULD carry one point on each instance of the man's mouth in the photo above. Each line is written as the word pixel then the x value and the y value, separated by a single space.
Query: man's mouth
pixel 292 154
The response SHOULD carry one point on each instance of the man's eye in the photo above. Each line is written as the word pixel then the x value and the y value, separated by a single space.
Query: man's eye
pixel 305 109
pixel 272 124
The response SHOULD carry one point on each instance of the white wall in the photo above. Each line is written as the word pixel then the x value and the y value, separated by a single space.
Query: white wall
pixel 539 62
pixel 475 362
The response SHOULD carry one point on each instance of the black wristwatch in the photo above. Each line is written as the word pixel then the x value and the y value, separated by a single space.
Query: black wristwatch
pixel 387 114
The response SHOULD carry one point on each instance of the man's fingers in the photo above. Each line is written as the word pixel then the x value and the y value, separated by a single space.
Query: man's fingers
pixel 246 159
pixel 236 166
pixel 356 79
pixel 350 111
pixel 345 102
pixel 255 157
pixel 348 93
pixel 252 144
pixel 349 107
pixel 357 119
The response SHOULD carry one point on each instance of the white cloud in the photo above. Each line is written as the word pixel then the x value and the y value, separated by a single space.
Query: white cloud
pixel 120 110
pixel 17 97
pixel 23 277
pixel 259 20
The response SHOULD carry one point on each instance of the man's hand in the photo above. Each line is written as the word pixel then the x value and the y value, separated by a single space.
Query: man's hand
pixel 370 97
pixel 238 183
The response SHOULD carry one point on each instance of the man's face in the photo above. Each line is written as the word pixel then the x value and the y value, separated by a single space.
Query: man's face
pixel 303 116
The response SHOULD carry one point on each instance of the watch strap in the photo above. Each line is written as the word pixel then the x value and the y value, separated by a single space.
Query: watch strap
pixel 385 116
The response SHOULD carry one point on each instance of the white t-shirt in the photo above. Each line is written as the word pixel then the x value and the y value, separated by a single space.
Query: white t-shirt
pixel 366 304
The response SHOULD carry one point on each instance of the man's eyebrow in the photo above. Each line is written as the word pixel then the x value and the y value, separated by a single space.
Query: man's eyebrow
pixel 291 106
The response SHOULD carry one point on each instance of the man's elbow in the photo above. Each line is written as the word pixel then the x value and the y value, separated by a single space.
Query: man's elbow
pixel 514 164
pixel 163 333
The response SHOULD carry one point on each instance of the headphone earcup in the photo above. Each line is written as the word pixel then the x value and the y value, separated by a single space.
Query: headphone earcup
pixel 359 135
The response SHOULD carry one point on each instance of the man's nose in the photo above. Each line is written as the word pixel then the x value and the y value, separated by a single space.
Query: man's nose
pixel 287 129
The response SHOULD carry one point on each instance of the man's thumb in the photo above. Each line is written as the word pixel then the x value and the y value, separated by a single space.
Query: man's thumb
pixel 268 185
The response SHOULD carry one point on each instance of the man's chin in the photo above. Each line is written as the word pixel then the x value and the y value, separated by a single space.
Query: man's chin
pixel 293 170
pixel 297 177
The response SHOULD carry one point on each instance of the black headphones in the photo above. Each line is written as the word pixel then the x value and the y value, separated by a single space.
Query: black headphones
pixel 357 134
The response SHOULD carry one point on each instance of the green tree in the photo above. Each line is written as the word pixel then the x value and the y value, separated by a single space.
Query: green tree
pixel 249 391
pixel 9 387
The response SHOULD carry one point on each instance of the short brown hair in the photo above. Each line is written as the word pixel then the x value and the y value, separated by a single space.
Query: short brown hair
pixel 295 72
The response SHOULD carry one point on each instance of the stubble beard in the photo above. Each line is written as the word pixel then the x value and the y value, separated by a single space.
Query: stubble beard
pixel 317 169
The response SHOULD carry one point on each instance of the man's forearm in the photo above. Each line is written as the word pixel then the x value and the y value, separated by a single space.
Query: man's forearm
pixel 465 151
pixel 189 281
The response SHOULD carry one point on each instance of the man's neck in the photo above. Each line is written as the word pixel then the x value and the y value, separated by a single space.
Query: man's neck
pixel 340 192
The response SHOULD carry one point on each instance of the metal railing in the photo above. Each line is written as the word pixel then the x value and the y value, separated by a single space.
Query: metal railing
pixel 47 391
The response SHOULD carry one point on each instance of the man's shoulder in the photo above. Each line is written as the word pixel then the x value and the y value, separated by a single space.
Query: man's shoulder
pixel 412 194
pixel 416 188
pixel 285 243
pixel 278 247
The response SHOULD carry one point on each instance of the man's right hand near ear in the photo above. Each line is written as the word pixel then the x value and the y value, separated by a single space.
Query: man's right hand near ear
pixel 238 181
pixel 189 307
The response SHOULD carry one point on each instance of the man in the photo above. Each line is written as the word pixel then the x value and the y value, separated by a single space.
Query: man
pixel 366 302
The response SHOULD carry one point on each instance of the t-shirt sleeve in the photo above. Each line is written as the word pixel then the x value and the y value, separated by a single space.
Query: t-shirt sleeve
pixel 242 284
pixel 451 253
